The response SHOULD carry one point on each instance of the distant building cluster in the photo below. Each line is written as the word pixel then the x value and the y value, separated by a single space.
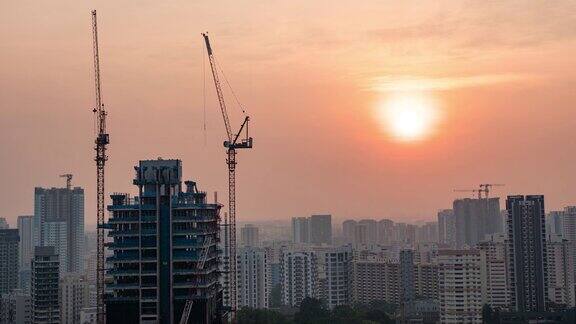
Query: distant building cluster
pixel 517 261
pixel 45 273
pixel 165 250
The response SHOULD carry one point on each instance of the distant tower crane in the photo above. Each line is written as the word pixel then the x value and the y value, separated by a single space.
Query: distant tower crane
pixel 485 188
pixel 231 145
pixel 102 139
pixel 68 177
pixel 477 191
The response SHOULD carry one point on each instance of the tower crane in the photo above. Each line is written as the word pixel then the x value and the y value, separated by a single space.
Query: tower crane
pixel 102 139
pixel 232 143
pixel 478 191
pixel 485 188
pixel 68 177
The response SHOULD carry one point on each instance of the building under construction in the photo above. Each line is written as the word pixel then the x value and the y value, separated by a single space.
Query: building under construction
pixel 163 256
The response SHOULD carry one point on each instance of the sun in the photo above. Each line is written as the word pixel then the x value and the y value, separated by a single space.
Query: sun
pixel 408 117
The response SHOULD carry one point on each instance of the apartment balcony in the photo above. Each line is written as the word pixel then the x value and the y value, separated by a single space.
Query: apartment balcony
pixel 195 271
pixel 192 256
pixel 184 293
pixel 123 272
pixel 193 218
pixel 194 231
pixel 131 206
pixel 122 245
pixel 184 243
pixel 195 284
pixel 122 259
pixel 121 298
pixel 132 232
pixel 133 218
pixel 148 231
pixel 134 285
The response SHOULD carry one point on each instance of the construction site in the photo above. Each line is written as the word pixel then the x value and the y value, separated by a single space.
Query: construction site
pixel 160 255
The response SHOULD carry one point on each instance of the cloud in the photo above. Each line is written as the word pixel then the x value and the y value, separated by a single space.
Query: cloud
pixel 413 83
pixel 489 25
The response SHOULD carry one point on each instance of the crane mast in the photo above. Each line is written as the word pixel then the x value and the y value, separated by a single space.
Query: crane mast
pixel 101 141
pixel 485 187
pixel 231 145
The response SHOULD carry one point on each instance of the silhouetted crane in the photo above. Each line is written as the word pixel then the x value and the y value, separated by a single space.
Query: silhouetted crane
pixel 485 187
pixel 231 144
pixel 68 177
pixel 102 139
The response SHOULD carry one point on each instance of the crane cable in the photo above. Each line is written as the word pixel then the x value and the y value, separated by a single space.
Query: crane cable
pixel 204 92
pixel 242 108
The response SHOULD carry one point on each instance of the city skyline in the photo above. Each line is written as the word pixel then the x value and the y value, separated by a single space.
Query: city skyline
pixel 410 162
pixel 339 74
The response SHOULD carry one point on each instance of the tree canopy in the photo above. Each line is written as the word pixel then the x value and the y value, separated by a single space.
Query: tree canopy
pixel 315 311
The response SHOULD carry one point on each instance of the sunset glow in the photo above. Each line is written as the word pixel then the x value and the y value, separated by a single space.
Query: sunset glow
pixel 358 111
pixel 408 117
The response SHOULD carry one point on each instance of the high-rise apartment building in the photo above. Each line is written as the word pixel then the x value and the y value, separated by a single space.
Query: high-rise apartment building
pixel 371 230
pixel 249 236
pixel 427 233
pixel 300 230
pixel 460 286
pixel 45 286
pixel 299 275
pixel 333 275
pixel 568 228
pixel 375 279
pixel 560 272
pixel 74 295
pixel 385 232
pixel 90 265
pixel 405 233
pixel 9 241
pixel 568 223
pixel 475 218
pixel 493 272
pixel 26 250
pixel 426 280
pixel 360 235
pixel 527 252
pixel 348 227
pixel 426 253
pixel 316 229
pixel 447 228
pixel 320 229
pixel 88 315
pixel 15 308
pixel 254 282
pixel 59 222
pixel 164 249
pixel 554 222
pixel 407 284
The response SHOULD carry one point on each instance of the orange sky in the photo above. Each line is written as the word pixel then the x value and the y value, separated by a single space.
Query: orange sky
pixel 313 75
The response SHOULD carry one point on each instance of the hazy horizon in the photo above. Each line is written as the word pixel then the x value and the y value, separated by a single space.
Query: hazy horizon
pixel 319 79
